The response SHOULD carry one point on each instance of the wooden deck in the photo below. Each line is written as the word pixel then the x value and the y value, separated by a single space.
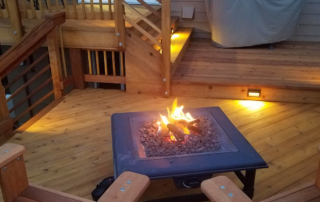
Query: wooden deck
pixel 70 148
pixel 290 65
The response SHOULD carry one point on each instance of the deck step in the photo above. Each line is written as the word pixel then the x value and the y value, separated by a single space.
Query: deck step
pixel 179 44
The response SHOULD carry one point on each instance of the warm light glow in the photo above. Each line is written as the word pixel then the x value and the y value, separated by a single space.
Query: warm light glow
pixel 172 138
pixel 160 51
pixel 252 105
pixel 172 30
pixel 253 94
pixel 174 36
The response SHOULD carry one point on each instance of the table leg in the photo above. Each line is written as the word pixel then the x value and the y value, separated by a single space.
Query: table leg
pixel 249 180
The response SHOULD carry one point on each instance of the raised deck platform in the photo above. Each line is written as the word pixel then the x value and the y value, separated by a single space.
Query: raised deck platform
pixel 290 69
pixel 70 148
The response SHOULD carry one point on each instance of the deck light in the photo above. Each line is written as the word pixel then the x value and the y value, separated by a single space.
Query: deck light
pixel 172 30
pixel 254 93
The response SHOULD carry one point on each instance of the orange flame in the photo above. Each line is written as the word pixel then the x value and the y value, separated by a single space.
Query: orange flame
pixel 177 114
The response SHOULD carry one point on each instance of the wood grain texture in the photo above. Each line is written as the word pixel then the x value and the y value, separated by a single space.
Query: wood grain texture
pixel 290 68
pixel 212 189
pixel 78 68
pixel 132 191
pixel 55 62
pixel 70 148
pixel 13 179
pixel 15 19
pixel 166 45
pixel 40 193
pixel 104 79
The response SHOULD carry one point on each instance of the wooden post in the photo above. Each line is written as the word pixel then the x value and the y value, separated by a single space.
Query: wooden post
pixel 5 121
pixel 78 68
pixel 318 173
pixel 119 24
pixel 166 43
pixel 13 175
pixel 15 19
pixel 55 62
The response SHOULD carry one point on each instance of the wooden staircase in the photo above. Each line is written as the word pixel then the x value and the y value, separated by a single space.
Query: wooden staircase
pixel 179 42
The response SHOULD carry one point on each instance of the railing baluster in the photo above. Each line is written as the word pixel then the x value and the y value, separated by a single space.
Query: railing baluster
pixel 105 62
pixel 89 61
pixel 113 64
pixel 41 9
pixel 92 10
pixel 84 15
pixel 110 9
pixel 66 8
pixel 75 13
pixel 101 10
pixel 33 10
pixel 121 63
pixel 57 5
pixel 49 5
pixel 4 113
pixel 24 10
pixel 97 62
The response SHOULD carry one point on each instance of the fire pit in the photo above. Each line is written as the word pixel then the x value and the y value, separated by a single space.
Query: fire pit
pixel 188 147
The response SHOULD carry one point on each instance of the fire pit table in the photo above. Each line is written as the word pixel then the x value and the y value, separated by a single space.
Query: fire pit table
pixel 212 145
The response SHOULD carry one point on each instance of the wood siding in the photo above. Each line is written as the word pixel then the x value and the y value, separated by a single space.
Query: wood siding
pixel 308 28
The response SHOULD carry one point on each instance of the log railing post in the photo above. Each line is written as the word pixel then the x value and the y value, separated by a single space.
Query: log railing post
pixel 15 19
pixel 54 54
pixel 5 121
pixel 166 43
pixel 119 24
pixel 78 68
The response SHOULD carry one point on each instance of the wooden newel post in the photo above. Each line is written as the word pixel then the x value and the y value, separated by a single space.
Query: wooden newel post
pixel 78 69
pixel 166 43
pixel 13 174
pixel 119 24
pixel 54 54
pixel 15 19
pixel 6 122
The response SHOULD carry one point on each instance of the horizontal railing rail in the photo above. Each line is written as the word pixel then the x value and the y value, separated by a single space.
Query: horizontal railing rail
pixel 31 84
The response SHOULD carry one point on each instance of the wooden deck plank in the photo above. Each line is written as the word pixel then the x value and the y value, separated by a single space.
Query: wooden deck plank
pixel 69 149
pixel 286 66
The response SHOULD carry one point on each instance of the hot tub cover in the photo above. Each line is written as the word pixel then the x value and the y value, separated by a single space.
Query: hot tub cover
pixel 239 23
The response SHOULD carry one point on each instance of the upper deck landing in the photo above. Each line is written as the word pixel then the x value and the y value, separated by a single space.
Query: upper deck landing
pixel 290 65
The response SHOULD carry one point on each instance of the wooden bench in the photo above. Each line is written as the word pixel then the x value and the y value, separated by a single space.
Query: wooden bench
pixel 222 189
pixel 16 188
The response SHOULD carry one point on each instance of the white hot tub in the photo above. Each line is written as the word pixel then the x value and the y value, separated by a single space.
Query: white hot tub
pixel 241 23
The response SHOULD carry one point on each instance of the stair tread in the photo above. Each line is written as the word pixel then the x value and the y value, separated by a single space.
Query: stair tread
pixel 178 41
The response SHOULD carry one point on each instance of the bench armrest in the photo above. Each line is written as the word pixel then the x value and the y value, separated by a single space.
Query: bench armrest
pixel 222 189
pixel 128 187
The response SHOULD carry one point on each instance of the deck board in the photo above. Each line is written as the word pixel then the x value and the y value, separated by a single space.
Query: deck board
pixel 70 148
pixel 293 65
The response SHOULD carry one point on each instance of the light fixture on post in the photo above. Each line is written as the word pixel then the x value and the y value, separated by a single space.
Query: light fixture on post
pixel 254 93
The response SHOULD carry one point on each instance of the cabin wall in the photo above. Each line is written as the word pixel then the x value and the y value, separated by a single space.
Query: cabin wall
pixel 308 28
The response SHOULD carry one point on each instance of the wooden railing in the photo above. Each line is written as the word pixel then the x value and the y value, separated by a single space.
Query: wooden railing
pixel 102 67
pixel 21 71
pixel 89 10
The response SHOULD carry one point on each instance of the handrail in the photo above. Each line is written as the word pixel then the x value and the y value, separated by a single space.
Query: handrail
pixel 29 42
